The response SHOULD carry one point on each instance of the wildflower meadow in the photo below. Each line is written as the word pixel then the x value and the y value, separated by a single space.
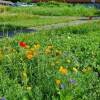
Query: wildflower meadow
pixel 53 64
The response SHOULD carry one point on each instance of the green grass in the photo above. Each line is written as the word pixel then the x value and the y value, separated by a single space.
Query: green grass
pixel 75 47
pixel 53 10
pixel 27 20
pixel 80 29
pixel 56 11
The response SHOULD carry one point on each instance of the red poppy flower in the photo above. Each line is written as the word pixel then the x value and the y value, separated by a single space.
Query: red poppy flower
pixel 22 44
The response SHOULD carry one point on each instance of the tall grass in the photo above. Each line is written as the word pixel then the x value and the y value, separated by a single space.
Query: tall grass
pixel 61 10
pixel 79 29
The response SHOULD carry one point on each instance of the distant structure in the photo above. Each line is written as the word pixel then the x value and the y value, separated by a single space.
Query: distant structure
pixel 2 2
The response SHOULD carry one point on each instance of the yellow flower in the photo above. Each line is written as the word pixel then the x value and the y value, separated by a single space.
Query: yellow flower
pixel 24 75
pixel 32 49
pixel 58 52
pixel 29 88
pixel 57 62
pixel 63 70
pixel 29 52
pixel 34 52
pixel 75 70
pixel 29 56
pixel 50 47
pixel 88 69
pixel 37 46
pixel 58 82
pixel 47 51
pixel 68 61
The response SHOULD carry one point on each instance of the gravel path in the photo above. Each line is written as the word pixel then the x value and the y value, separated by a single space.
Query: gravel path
pixel 82 20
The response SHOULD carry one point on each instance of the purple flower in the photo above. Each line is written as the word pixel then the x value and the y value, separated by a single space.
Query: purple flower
pixel 72 81
pixel 65 53
pixel 62 86
pixel 3 98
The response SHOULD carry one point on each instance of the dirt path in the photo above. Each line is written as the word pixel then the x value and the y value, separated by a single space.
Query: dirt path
pixel 82 20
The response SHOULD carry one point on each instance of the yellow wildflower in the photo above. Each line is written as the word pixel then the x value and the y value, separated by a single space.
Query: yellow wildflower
pixel 68 61
pixel 32 49
pixel 75 70
pixel 58 52
pixel 29 54
pixel 88 69
pixel 24 75
pixel 47 51
pixel 58 82
pixel 50 47
pixel 63 70
pixel 37 46
pixel 57 62
pixel 29 88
